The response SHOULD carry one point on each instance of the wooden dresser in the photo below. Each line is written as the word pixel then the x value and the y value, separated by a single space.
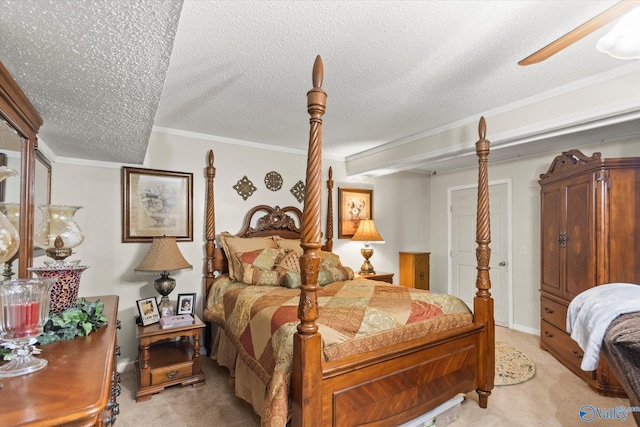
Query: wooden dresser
pixel 590 235
pixel 78 387
pixel 414 269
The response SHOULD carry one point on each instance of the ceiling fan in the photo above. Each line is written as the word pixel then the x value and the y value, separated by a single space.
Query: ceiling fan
pixel 578 33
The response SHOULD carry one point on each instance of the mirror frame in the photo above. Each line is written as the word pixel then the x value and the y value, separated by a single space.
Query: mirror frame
pixel 18 111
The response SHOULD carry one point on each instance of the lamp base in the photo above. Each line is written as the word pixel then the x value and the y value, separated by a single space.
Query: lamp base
pixel 366 267
pixel 164 285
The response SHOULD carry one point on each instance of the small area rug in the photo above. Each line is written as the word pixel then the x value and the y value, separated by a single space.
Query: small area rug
pixel 512 366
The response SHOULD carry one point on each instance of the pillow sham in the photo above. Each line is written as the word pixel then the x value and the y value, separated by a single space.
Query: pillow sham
pixel 291 244
pixel 233 244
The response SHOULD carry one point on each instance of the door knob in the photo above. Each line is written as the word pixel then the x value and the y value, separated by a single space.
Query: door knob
pixel 502 263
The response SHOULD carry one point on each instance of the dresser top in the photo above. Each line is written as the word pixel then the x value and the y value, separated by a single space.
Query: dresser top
pixel 75 384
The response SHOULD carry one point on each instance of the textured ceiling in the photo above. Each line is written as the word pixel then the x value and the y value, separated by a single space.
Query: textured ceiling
pixel 101 73
pixel 94 70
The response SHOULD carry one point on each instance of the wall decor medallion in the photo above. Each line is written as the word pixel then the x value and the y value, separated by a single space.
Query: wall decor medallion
pixel 298 191
pixel 245 188
pixel 273 181
pixel 156 203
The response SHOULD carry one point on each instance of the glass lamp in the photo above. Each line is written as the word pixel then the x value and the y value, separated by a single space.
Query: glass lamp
pixel 163 257
pixel 58 233
pixel 368 233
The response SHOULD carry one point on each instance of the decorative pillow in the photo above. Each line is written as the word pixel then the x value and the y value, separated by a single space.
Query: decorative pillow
pixel 258 266
pixel 341 273
pixel 291 244
pixel 234 244
pixel 293 280
pixel 290 261
pixel 329 260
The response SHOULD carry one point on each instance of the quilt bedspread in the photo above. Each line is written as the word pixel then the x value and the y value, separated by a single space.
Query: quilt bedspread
pixel 355 316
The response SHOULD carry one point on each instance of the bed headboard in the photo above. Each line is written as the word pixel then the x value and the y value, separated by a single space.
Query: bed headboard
pixel 284 222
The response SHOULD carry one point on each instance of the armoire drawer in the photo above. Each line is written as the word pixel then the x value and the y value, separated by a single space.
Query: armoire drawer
pixel 560 342
pixel 554 313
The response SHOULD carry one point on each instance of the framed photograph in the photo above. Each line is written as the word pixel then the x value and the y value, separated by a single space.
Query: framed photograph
pixel 186 303
pixel 148 309
pixel 156 203
pixel 354 204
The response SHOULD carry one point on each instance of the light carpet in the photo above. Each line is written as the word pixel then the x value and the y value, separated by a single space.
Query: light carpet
pixel 512 366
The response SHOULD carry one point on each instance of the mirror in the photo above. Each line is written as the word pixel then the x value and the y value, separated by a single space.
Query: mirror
pixel 20 122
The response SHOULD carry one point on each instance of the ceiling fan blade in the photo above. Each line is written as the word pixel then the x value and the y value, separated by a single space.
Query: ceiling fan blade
pixel 582 31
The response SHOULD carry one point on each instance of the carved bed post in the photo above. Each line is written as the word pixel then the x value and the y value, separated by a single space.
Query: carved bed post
pixel 329 237
pixel 306 383
pixel 210 224
pixel 482 302
pixel 210 245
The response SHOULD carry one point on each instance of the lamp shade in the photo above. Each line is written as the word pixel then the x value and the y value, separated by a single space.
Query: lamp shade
pixel 367 232
pixel 163 255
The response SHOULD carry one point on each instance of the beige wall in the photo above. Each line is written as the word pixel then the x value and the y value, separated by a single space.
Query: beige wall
pixel 400 211
pixel 525 218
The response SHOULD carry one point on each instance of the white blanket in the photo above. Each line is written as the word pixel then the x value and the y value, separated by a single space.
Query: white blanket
pixel 591 312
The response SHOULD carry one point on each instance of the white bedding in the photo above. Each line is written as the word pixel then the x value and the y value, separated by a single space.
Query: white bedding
pixel 591 312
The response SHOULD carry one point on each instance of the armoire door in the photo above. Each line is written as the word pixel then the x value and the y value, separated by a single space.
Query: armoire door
pixel 552 224
pixel 580 236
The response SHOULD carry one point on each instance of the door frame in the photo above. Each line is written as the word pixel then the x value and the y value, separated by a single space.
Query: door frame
pixel 509 273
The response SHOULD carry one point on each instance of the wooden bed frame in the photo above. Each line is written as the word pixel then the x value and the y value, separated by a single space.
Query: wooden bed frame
pixel 395 384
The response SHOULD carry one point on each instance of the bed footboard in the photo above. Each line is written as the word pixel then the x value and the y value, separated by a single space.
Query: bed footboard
pixel 402 382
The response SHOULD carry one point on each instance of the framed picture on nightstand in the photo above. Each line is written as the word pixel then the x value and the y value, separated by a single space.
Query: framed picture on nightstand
pixel 186 303
pixel 148 309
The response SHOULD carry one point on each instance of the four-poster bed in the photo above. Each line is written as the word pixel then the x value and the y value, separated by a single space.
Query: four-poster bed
pixel 338 376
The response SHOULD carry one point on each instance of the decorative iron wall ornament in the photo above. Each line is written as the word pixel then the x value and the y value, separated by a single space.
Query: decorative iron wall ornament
pixel 298 191
pixel 273 181
pixel 245 188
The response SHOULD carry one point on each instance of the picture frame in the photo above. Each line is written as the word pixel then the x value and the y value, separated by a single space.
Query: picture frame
pixel 354 204
pixel 148 310
pixel 186 304
pixel 156 203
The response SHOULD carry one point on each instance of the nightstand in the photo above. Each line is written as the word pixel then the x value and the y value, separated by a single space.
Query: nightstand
pixel 380 276
pixel 168 357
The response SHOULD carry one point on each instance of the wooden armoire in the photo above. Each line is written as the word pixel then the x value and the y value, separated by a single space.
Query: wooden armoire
pixel 589 235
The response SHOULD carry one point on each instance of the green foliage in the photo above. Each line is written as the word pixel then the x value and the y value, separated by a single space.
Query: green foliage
pixel 77 321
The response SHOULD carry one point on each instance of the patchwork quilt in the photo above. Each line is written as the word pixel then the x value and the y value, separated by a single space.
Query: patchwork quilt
pixel 355 316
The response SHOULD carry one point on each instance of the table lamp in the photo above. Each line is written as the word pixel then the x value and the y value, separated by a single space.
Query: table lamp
pixel 367 233
pixel 163 257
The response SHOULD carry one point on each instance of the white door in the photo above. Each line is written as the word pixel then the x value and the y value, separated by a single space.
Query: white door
pixel 463 248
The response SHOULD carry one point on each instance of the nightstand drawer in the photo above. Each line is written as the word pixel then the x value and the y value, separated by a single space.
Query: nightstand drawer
pixel 170 373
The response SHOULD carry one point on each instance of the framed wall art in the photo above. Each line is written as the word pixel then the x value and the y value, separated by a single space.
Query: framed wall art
pixel 156 203
pixel 354 204
pixel 148 310
pixel 186 303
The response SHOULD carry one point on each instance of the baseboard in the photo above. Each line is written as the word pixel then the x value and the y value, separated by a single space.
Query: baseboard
pixel 527 329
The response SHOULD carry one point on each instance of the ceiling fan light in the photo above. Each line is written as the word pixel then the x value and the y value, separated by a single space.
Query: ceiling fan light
pixel 623 41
